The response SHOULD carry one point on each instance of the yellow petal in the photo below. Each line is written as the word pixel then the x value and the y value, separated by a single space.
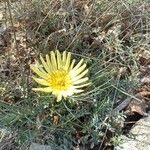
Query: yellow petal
pixel 64 57
pixel 40 68
pixel 68 61
pixel 79 70
pixel 43 71
pixel 78 91
pixel 49 64
pixel 72 64
pixel 59 97
pixel 48 61
pixel 68 92
pixel 58 94
pixel 59 59
pixel 45 64
pixel 55 92
pixel 46 89
pixel 41 81
pixel 81 80
pixel 78 65
pixel 38 72
pixel 53 60
pixel 81 75
pixel 82 85
pixel 64 94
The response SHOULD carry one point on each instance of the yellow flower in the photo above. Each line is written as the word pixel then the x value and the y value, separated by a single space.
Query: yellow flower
pixel 60 76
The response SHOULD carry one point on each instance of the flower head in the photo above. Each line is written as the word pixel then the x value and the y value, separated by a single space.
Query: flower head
pixel 59 75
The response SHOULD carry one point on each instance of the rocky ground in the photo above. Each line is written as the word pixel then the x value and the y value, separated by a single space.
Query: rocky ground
pixel 17 44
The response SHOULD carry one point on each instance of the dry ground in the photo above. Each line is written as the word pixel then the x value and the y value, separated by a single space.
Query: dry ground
pixel 114 39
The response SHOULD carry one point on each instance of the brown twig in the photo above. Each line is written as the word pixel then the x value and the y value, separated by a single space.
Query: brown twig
pixel 12 24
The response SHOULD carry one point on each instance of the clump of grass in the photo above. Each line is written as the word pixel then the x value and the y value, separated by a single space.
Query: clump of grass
pixel 96 31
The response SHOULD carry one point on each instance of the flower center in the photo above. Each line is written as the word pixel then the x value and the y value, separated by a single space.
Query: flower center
pixel 59 80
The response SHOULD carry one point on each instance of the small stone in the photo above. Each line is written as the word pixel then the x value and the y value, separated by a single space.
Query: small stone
pixel 35 146
pixel 139 136
pixel 145 80
pixel 3 133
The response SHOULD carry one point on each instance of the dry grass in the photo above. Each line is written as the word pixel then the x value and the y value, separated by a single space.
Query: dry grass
pixel 112 36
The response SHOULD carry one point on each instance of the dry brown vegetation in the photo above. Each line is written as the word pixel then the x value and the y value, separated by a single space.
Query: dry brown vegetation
pixel 113 37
